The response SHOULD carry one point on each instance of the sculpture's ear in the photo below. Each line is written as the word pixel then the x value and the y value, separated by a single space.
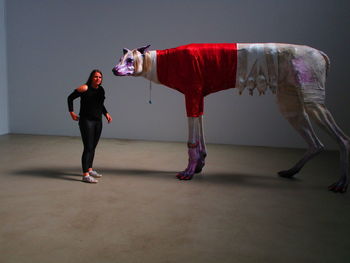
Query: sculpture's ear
pixel 142 50
pixel 125 50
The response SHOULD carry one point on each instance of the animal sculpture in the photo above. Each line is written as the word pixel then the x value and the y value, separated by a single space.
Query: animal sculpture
pixel 295 73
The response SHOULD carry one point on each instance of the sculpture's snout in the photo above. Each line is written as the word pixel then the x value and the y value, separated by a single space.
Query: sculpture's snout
pixel 115 71
pixel 121 70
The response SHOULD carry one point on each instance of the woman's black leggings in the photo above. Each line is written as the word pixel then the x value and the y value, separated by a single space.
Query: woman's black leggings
pixel 90 133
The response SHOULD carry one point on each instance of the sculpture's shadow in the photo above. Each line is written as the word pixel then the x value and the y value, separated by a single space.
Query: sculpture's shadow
pixel 251 180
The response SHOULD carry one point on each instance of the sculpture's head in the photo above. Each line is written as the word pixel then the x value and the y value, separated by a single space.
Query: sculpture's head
pixel 131 63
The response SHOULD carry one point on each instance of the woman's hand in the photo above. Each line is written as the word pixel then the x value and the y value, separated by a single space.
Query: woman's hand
pixel 74 116
pixel 109 118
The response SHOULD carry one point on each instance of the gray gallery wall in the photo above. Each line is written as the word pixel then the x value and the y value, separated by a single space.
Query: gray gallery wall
pixel 4 122
pixel 53 45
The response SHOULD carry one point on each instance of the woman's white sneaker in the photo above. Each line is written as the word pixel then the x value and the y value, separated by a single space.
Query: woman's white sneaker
pixel 89 179
pixel 95 174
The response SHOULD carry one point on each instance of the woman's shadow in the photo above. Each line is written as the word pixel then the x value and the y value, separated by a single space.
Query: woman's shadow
pixel 67 174
pixel 49 173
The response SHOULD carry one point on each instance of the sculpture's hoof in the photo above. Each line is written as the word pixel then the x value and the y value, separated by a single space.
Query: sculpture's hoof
pixel 200 163
pixel 182 176
pixel 199 166
pixel 288 173
pixel 338 187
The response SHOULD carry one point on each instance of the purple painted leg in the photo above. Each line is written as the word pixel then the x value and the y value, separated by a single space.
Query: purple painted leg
pixel 202 155
pixel 192 164
pixel 201 162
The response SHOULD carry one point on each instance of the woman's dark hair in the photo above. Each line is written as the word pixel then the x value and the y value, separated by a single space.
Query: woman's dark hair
pixel 88 82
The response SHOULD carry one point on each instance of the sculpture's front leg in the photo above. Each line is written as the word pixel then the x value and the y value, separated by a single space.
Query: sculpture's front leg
pixel 201 147
pixel 193 149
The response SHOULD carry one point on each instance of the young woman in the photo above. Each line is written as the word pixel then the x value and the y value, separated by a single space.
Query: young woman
pixel 92 96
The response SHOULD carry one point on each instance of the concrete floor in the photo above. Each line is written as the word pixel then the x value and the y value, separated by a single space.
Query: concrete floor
pixel 237 210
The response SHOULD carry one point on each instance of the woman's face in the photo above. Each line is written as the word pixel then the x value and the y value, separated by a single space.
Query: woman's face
pixel 96 79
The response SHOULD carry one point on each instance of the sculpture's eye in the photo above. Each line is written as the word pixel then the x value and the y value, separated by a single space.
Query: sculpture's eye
pixel 129 60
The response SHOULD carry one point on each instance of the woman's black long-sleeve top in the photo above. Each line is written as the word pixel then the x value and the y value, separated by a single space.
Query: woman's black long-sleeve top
pixel 91 103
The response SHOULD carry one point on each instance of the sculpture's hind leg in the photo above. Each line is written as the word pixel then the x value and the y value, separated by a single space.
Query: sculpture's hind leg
pixel 291 107
pixel 302 124
pixel 324 118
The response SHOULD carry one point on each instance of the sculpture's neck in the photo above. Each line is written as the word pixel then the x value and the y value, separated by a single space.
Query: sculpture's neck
pixel 149 66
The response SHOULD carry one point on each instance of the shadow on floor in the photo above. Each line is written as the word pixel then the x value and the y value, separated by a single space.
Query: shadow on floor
pixel 55 173
pixel 48 173
pixel 251 180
